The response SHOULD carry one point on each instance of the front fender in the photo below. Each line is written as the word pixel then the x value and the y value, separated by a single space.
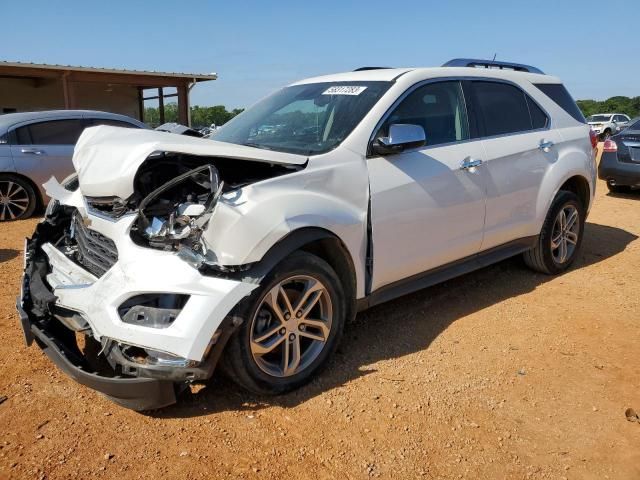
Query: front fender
pixel 243 229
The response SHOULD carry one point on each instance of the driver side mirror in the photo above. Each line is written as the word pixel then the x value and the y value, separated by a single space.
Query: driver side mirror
pixel 401 137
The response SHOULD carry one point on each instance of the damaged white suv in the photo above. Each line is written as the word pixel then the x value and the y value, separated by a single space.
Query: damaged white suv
pixel 166 253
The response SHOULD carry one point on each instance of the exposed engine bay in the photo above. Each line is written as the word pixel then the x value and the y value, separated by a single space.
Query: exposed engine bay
pixel 175 195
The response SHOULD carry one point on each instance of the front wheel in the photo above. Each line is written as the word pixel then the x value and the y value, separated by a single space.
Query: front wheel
pixel 292 324
pixel 561 236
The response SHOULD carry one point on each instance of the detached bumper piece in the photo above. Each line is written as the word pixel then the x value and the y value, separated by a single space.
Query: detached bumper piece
pixel 135 393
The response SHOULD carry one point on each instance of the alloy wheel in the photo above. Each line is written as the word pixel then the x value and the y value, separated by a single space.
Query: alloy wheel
pixel 564 238
pixel 14 200
pixel 291 326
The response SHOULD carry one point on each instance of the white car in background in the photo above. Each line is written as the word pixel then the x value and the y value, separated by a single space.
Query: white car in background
pixel 330 196
pixel 606 124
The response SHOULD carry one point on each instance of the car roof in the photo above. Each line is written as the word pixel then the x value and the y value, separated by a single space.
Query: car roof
pixel 391 74
pixel 9 119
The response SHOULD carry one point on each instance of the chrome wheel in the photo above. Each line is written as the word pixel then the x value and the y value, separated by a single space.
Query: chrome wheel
pixel 14 200
pixel 564 237
pixel 291 326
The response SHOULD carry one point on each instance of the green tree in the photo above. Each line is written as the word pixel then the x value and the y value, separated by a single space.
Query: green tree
pixel 619 104
pixel 200 116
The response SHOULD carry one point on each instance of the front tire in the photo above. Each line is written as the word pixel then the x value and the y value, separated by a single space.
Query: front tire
pixel 17 198
pixel 561 236
pixel 292 324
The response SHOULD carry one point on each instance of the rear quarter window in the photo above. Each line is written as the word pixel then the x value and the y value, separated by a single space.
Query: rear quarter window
pixel 559 94
pixel 111 123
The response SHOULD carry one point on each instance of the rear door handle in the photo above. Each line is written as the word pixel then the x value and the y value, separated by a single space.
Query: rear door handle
pixel 32 151
pixel 469 163
pixel 545 146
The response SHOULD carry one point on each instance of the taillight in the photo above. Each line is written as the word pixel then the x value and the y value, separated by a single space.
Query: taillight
pixel 610 146
pixel 594 138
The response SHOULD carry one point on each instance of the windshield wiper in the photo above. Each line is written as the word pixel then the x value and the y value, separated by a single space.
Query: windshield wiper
pixel 257 145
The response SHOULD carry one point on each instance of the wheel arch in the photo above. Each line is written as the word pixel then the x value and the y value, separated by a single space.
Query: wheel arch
pixel 579 185
pixel 322 243
pixel 36 190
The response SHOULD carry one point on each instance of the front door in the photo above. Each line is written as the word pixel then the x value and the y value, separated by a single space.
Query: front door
pixel 427 208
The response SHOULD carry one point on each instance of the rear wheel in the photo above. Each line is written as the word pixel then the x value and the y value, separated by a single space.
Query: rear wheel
pixel 17 198
pixel 561 236
pixel 292 324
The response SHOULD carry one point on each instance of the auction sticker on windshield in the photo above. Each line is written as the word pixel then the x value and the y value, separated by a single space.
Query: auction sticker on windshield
pixel 344 90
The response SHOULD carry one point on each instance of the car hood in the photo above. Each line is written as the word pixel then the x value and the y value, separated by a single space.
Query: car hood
pixel 107 158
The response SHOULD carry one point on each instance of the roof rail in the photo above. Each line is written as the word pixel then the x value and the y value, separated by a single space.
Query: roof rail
pixel 362 69
pixel 474 62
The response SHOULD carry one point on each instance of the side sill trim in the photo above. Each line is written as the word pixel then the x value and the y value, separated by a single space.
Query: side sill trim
pixel 446 272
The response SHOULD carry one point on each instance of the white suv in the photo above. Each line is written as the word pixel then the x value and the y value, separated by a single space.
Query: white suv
pixel 332 195
pixel 606 124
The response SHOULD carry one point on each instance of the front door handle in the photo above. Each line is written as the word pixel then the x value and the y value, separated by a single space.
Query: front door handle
pixel 470 163
pixel 545 146
pixel 32 151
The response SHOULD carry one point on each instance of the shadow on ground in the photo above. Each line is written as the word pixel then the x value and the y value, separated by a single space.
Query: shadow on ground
pixel 8 254
pixel 402 326
pixel 629 195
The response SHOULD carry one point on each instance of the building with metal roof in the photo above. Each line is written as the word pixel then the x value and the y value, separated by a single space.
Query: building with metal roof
pixel 36 86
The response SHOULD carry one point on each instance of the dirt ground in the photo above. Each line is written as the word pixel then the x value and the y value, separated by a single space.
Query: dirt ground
pixel 502 373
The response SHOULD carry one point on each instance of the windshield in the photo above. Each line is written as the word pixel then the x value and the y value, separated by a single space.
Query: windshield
pixel 305 119
pixel 599 118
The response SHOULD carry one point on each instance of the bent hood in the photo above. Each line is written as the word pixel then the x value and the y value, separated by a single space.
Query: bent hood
pixel 107 158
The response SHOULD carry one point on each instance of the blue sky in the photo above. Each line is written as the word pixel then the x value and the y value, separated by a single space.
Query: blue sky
pixel 256 47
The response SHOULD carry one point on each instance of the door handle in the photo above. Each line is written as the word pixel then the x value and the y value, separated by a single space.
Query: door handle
pixel 469 163
pixel 545 146
pixel 32 151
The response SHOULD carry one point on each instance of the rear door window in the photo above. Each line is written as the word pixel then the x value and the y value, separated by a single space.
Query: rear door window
pixel 502 109
pixel 53 132
pixel 539 119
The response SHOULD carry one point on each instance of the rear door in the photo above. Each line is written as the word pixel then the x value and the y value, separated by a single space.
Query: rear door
pixel 44 149
pixel 519 149
pixel 427 209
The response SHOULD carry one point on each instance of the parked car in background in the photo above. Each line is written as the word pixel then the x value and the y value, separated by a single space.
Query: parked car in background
pixel 34 146
pixel 607 124
pixel 620 161
pixel 330 196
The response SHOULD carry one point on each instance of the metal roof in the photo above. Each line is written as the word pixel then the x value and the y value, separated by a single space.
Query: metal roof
pixel 73 68
pixel 9 119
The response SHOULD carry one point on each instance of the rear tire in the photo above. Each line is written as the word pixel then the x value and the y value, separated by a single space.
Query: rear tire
pixel 17 198
pixel 561 236
pixel 292 324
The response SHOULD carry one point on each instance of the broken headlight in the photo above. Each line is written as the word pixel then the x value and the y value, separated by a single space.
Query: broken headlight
pixel 174 215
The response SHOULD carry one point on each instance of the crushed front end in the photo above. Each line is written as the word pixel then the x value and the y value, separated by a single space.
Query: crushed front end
pixel 131 321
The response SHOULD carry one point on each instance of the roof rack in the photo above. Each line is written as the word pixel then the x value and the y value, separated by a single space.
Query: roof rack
pixel 362 69
pixel 474 62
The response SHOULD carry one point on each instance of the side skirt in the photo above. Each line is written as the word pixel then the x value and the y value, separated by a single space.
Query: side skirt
pixel 446 272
